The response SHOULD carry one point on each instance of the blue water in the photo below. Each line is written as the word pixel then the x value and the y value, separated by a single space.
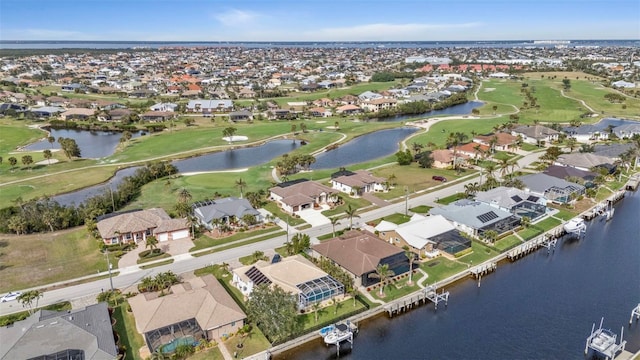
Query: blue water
pixel 539 307
pixel 460 109
pixel 363 148
pixel 92 144
pixel 171 347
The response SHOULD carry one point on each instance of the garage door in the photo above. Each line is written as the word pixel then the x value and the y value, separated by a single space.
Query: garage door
pixel 180 234
pixel 163 237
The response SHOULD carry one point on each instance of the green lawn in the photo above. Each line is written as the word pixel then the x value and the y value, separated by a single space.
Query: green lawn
pixel 329 314
pixel 397 289
pixel 507 243
pixel 564 214
pixel 413 177
pixel 438 132
pixel 253 343
pixel 538 228
pixel 394 218
pixel 7 320
pixel 480 254
pixel 441 268
pixel 273 208
pixel 203 241
pixel 126 328
pixel 209 354
pixel 421 209
pixel 161 263
pixel 451 198
pixel 39 259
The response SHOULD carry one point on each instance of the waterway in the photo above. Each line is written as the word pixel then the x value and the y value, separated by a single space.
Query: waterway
pixel 92 144
pixel 363 148
pixel 539 307
pixel 460 109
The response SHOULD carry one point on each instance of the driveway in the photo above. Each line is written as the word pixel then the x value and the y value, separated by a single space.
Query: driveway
pixel 314 217
pixel 177 248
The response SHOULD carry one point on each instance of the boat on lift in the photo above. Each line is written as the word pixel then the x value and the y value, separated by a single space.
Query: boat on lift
pixel 575 226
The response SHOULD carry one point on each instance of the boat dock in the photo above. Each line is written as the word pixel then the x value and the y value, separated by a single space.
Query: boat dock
pixel 633 182
pixel 604 342
pixel 340 333
pixel 635 313
pixel 429 293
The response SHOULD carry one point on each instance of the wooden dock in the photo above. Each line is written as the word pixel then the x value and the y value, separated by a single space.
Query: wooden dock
pixel 633 182
pixel 430 293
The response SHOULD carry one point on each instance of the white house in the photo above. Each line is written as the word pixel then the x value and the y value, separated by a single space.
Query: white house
pixel 347 182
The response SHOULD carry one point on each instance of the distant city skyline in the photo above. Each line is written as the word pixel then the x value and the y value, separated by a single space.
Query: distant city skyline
pixel 347 20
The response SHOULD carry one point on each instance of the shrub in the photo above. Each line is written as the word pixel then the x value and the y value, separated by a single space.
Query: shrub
pixel 463 252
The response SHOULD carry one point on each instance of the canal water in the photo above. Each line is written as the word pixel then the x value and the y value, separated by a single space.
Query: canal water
pixel 539 307
pixel 460 109
pixel 363 148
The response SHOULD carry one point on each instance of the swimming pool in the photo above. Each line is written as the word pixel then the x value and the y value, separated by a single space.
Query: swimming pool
pixel 171 347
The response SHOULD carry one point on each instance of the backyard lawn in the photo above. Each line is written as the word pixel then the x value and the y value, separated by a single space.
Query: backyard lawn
pixel 480 254
pixel 440 269
pixel 252 343
pixel 125 326
pixel 507 243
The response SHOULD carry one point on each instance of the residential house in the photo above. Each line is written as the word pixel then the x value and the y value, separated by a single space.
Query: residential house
pixel 15 107
pixel 294 196
pixel 475 218
pixel 424 235
pixel 136 225
pixel 442 158
pixel 368 96
pixel 73 87
pixel 224 210
pixel 626 131
pixel 586 133
pixel 295 275
pixel 473 150
pixel 536 134
pixel 553 189
pixel 167 107
pixel 209 106
pixel 319 112
pixel 77 114
pixel 357 182
pixel 83 333
pixel 500 141
pixel 241 115
pixel 117 114
pixel 199 307
pixel 360 253
pixel 568 172
pixel 348 109
pixel 46 111
pixel 157 116
pixel 377 104
pixel 515 201
pixel 586 161
pixel 623 84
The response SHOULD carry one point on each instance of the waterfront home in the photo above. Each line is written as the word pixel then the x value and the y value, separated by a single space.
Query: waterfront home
pixel 498 141
pixel 377 104
pixel 535 134
pixel 565 172
pixel 157 116
pixel 46 111
pixel 241 115
pixel 77 114
pixel 225 211
pixel 348 109
pixel 475 218
pixel 295 275
pixel 294 196
pixel 626 131
pixel 473 151
pixel 115 115
pixel 357 182
pixel 553 189
pixel 586 133
pixel 425 236
pixel 199 308
pixel 83 333
pixel 359 253
pixel 136 225
pixel 586 161
pixel 515 201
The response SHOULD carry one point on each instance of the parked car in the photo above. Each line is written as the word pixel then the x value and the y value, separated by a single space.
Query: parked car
pixel 439 178
pixel 11 296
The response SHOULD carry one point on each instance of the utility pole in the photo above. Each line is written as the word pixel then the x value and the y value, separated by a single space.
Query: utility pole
pixel 113 204
pixel 406 200
pixel 109 269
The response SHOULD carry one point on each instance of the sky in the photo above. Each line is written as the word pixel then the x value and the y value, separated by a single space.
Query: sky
pixel 313 20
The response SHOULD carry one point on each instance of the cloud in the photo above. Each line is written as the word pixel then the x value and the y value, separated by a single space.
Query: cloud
pixel 235 17
pixel 387 32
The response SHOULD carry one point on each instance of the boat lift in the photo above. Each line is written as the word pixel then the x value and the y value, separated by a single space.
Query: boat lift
pixel 635 313
pixel 603 342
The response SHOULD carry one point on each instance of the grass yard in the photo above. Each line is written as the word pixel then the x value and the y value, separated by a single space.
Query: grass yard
pixel 451 198
pixel 7 320
pixel 441 268
pixel 39 259
pixel 161 263
pixel 329 314
pixel 413 177
pixel 125 326
pixel 396 218
pixel 204 241
pixel 421 209
pixel 438 132
pixel 273 208
pixel 507 243
pixel 538 228
pixel 480 254
pixel 209 354
pixel 564 214
pixel 252 343
pixel 397 289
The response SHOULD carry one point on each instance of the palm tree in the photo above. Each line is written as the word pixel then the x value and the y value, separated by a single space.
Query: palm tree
pixel 571 143
pixel 412 257
pixel 159 354
pixel 383 273
pixel 416 147
pixel 229 132
pixel 47 155
pixel 51 140
pixel 338 306
pixel 241 184
pixel 334 221
pixel 28 297
pixel 184 195
pixel 356 190
pixel 471 189
pixel 392 179
pixel 351 213
pixel 151 242
pixel 316 309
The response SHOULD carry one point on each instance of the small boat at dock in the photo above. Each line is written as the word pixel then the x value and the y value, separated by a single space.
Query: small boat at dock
pixel 340 333
pixel 575 226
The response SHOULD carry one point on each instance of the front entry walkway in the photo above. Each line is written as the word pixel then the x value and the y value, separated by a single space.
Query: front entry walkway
pixel 314 217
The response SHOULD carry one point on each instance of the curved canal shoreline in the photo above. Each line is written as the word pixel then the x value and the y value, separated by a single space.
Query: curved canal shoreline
pixel 450 282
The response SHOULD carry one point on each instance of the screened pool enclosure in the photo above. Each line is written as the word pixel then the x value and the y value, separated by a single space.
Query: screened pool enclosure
pixel 318 290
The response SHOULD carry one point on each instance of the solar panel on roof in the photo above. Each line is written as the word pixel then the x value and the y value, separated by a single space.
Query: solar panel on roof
pixel 486 217
pixel 516 198
pixel 257 276
pixel 533 198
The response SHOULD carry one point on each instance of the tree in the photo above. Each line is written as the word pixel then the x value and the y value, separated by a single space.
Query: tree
pixel 299 243
pixel 425 160
pixel 274 311
pixel 490 235
pixel 184 195
pixel 411 256
pixel 316 310
pixel 334 221
pixel 229 132
pixel 184 350
pixel 525 221
pixel 572 143
pixel 241 184
pixel 47 155
pixel 404 157
pixel 416 147
pixel 151 242
pixel 566 83
pixel 257 255
pixel 69 147
pixel 351 213
pixel 27 299
pixel 27 160
pixel 494 108
pixel 383 273
pixel 254 198
pixel 453 141
pixel 471 189
pixel 51 140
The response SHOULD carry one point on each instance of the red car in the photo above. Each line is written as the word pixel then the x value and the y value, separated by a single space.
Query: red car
pixel 439 178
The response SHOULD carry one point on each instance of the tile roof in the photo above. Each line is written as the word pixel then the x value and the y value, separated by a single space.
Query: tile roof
pixel 139 221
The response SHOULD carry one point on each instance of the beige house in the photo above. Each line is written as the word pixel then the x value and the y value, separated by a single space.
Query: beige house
pixel 196 309
pixel 294 274
pixel 77 114
pixel 361 180
pixel 294 197
pixel 135 226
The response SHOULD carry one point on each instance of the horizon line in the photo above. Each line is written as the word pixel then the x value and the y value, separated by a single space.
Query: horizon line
pixel 320 41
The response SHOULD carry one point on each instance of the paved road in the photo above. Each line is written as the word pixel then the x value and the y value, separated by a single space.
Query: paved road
pixel 126 278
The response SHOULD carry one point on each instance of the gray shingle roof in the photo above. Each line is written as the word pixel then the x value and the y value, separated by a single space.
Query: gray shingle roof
pixel 224 208
pixel 542 182
pixel 471 213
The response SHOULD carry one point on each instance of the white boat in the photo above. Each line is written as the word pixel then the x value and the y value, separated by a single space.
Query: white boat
pixel 326 330
pixel 340 333
pixel 575 226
